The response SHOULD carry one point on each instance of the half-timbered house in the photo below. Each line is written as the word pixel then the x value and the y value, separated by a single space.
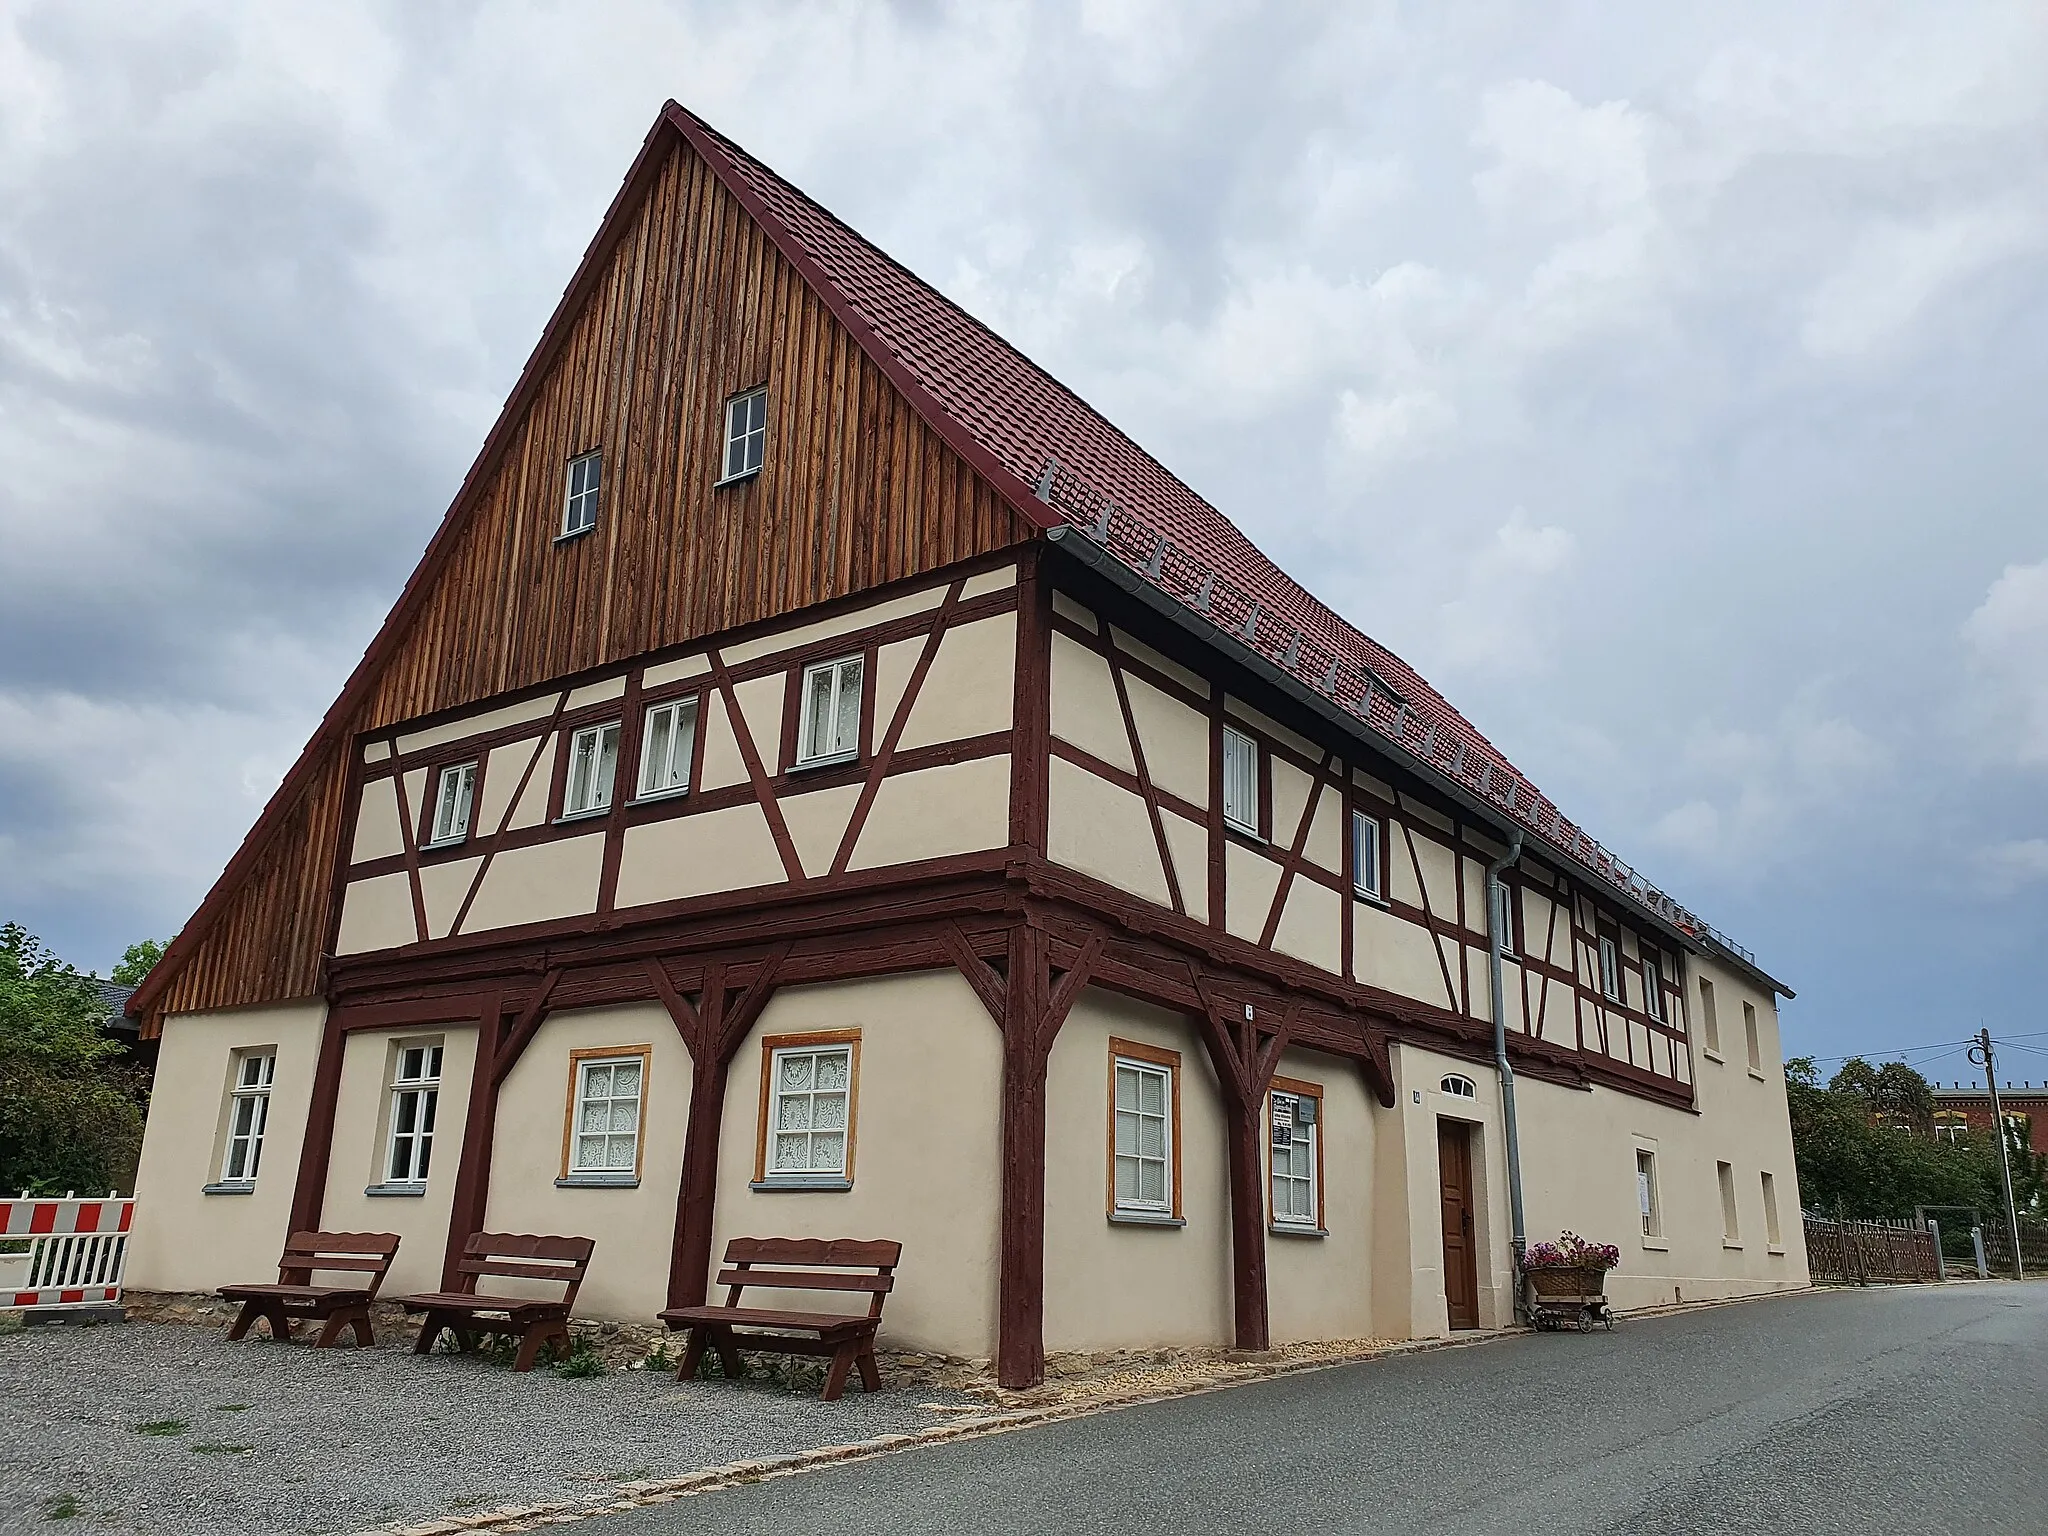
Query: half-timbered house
pixel 823 779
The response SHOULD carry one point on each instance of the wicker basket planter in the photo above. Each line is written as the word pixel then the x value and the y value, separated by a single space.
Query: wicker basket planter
pixel 1562 1283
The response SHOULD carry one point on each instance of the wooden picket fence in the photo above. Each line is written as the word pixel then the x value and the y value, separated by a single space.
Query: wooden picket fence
pixel 1869 1252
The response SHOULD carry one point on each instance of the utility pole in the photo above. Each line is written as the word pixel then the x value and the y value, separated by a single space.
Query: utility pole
pixel 1981 1052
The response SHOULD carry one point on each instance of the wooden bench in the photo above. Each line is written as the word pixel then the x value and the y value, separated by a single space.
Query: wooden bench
pixel 801 1264
pixel 295 1295
pixel 466 1312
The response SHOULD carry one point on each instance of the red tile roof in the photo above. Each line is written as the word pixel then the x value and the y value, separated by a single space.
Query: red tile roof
pixel 1022 420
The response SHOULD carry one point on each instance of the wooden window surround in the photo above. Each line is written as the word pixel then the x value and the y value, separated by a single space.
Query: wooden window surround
pixel 771 1045
pixel 573 1178
pixel 1295 1226
pixel 1139 1054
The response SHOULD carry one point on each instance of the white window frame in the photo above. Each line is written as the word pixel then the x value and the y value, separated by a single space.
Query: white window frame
pixel 1731 1215
pixel 1457 1085
pixel 1300 1134
pixel 583 1101
pixel 1648 1202
pixel 1127 1140
pixel 746 436
pixel 781 1122
pixel 588 795
pixel 1240 781
pixel 253 1074
pixel 1653 987
pixel 415 1102
pixel 582 487
pixel 454 803
pixel 1610 969
pixel 1366 877
pixel 845 706
pixel 1504 915
pixel 666 770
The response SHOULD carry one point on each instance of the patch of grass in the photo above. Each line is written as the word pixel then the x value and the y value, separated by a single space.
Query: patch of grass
pixel 215 1448
pixel 12 1322
pixel 63 1506
pixel 163 1427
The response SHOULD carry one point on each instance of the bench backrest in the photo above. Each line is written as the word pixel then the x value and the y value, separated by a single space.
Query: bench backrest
pixel 525 1256
pixel 811 1264
pixel 368 1253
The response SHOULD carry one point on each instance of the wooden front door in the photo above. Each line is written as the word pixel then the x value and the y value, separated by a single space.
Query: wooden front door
pixel 1461 1258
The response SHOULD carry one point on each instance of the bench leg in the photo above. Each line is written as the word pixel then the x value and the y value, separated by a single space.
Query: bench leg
pixel 244 1320
pixel 693 1354
pixel 728 1353
pixel 430 1330
pixel 536 1335
pixel 357 1318
pixel 280 1323
pixel 870 1376
pixel 842 1366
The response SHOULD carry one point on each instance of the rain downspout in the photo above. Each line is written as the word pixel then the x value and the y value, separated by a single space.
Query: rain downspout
pixel 1497 943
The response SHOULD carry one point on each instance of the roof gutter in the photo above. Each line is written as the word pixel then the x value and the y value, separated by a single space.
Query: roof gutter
pixel 1075 543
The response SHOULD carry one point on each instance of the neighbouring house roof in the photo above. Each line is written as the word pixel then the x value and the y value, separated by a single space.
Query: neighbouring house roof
pixel 1092 476
pixel 114 999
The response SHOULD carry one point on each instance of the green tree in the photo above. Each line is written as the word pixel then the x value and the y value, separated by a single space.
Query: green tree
pixel 70 1110
pixel 138 960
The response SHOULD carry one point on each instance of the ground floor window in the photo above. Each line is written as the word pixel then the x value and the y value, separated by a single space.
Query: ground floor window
pixel 1144 1131
pixel 607 1089
pixel 248 1114
pixel 1646 1192
pixel 1295 1115
pixel 415 1100
pixel 809 1088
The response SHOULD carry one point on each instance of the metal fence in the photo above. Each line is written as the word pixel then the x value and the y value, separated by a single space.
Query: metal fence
pixel 1870 1252
pixel 2033 1244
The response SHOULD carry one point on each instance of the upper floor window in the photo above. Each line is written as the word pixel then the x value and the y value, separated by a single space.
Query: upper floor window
pixel 1708 1021
pixel 666 748
pixel 1365 854
pixel 1610 970
pixel 415 1096
pixel 248 1115
pixel 746 434
pixel 1240 781
pixel 451 804
pixel 1504 915
pixel 1750 1041
pixel 579 509
pixel 593 760
pixel 828 729
pixel 1653 986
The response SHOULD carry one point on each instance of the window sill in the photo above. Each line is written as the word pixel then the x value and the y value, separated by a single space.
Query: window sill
pixel 1146 1219
pixel 229 1189
pixel 1775 1252
pixel 1246 833
pixel 595 813
pixel 395 1191
pixel 656 797
pixel 598 1181
pixel 739 479
pixel 574 534
pixel 1281 1229
pixel 807 1183
pixel 1757 1075
pixel 1656 1245
pixel 1712 1055
pixel 446 842
pixel 1372 899
pixel 836 760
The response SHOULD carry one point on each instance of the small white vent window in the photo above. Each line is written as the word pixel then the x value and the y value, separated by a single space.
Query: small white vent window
pixel 1365 854
pixel 1504 916
pixel 593 759
pixel 829 731
pixel 1653 987
pixel 452 802
pixel 1459 1086
pixel 666 748
pixel 1646 1193
pixel 1240 781
pixel 579 508
pixel 746 434
pixel 1610 970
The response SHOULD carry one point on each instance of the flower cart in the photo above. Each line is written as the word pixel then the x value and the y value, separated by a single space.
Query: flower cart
pixel 1566 1283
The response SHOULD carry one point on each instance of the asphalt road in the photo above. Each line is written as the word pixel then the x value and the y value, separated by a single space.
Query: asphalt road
pixel 1902 1410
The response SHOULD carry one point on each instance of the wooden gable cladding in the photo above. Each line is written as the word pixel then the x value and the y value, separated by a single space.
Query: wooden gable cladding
pixel 683 301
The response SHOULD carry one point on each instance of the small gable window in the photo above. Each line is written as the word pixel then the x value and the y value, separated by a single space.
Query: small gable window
pixel 1458 1086
pixel 1240 782
pixel 1653 987
pixel 451 804
pixel 586 478
pixel 746 435
pixel 1365 854
pixel 1610 970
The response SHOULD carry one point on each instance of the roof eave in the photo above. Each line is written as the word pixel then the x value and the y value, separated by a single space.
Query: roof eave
pixel 1078 546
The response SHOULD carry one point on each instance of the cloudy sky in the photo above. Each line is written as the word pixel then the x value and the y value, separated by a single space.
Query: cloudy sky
pixel 1674 394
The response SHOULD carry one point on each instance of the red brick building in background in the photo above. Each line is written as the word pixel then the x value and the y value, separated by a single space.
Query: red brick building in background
pixel 1958 1106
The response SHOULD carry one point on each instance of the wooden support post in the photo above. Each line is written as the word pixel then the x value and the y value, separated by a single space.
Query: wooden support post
pixel 689 1270
pixel 310 1192
pixel 473 1173
pixel 1020 1348
pixel 1242 1124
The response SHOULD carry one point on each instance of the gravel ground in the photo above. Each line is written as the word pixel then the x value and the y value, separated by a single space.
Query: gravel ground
pixel 257 1439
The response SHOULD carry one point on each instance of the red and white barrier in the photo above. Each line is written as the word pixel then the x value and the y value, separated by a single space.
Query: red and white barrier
pixel 75 1253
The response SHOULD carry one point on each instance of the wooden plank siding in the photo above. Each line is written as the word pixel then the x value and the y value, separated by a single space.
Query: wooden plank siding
pixel 694 304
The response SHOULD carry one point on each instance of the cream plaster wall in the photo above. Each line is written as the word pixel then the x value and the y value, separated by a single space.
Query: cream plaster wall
pixel 633 1228
pixel 376 914
pixel 722 763
pixel 682 669
pixel 1115 1286
pixel 1084 705
pixel 817 824
pixel 378 833
pixel 728 850
pixel 927 1167
pixel 184 1239
pixel 1187 842
pixel 1311 925
pixel 357 1159
pixel 1175 739
pixel 1249 881
pixel 537 883
pixel 538 708
pixel 1138 650
pixel 1391 952
pixel 922 601
pixel 969 688
pixel 1102 830
pixel 442 887
pixel 502 775
pixel 1322 1287
pixel 956 808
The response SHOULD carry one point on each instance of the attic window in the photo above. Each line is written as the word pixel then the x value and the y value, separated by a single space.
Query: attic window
pixel 579 506
pixel 1458 1086
pixel 746 435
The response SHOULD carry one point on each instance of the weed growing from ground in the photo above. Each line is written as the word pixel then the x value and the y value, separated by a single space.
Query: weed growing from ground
pixel 64 1506
pixel 163 1427
pixel 584 1361
pixel 658 1358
